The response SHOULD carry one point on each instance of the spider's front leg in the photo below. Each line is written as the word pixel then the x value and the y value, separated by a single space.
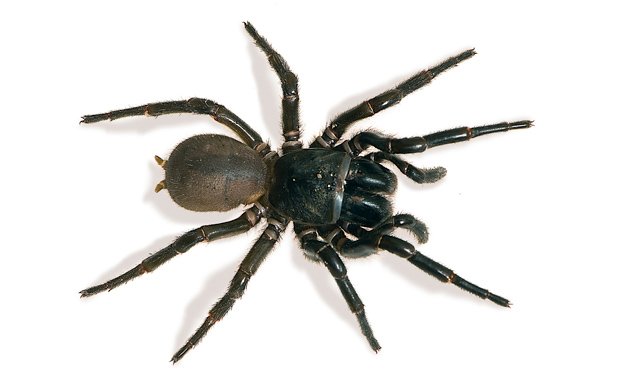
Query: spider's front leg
pixel 442 273
pixel 238 284
pixel 181 245
pixel 369 243
pixel 366 244
pixel 390 146
pixel 325 253
pixel 331 135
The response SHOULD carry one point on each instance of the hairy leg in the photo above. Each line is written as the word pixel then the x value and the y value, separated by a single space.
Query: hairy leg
pixel 181 245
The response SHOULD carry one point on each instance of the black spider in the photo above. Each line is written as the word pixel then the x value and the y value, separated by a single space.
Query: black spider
pixel 335 192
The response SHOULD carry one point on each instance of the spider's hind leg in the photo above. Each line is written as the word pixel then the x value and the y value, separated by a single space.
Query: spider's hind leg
pixel 193 105
pixel 238 284
pixel 182 245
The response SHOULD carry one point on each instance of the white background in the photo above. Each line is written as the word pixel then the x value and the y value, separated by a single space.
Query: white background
pixel 531 215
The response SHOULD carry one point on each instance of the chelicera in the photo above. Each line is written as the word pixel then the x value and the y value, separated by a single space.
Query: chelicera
pixel 336 192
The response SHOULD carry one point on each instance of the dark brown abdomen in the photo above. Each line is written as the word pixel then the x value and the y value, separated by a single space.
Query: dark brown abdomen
pixel 212 172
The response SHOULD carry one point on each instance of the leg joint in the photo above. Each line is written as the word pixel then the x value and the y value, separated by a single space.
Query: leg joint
pixel 203 106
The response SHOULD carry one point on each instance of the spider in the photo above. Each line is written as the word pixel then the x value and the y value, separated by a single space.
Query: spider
pixel 336 192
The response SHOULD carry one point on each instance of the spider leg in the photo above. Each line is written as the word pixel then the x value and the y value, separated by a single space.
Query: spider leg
pixel 193 106
pixel 238 284
pixel 290 95
pixel 338 125
pixel 405 221
pixel 419 175
pixel 182 245
pixel 444 274
pixel 366 243
pixel 390 145
pixel 369 242
pixel 325 253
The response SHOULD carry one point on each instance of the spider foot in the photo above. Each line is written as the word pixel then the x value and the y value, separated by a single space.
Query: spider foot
pixel 431 175
pixel 89 292
pixel 499 300
pixel 196 337
pixel 94 118
pixel 367 331
pixel 108 286
pixel 409 222
pixel 181 352
pixel 419 230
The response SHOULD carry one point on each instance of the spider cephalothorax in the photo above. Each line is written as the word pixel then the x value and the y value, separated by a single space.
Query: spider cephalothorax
pixel 335 192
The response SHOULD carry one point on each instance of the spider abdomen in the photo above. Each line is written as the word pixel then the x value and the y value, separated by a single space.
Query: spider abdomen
pixel 212 172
